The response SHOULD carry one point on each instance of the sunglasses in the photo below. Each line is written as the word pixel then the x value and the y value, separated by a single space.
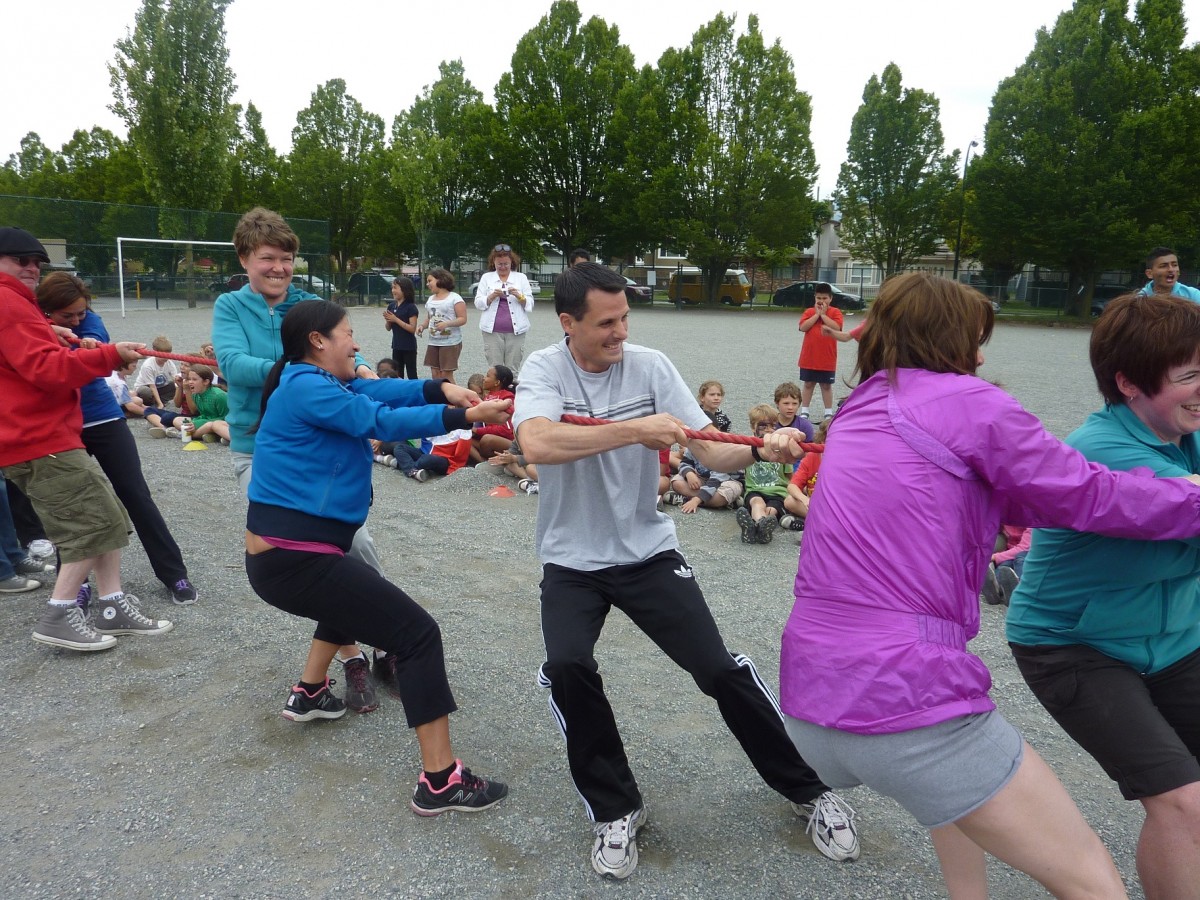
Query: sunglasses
pixel 24 261
pixel 502 248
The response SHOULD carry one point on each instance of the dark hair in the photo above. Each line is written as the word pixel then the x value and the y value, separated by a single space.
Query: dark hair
pixel 1141 336
pixel 579 253
pixel 387 361
pixel 504 375
pixel 205 373
pixel 307 316
pixel 59 290
pixel 442 278
pixel 1156 253
pixel 823 287
pixel 923 321
pixel 572 286
pixel 406 287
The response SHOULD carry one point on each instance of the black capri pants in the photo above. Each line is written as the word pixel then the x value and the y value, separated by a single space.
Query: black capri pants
pixel 352 602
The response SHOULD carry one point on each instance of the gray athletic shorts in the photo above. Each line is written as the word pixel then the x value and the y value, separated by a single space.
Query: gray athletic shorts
pixel 938 773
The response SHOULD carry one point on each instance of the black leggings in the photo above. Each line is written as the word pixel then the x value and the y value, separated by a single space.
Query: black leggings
pixel 406 362
pixel 352 602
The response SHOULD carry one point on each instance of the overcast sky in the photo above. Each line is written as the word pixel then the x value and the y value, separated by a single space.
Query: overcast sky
pixel 388 50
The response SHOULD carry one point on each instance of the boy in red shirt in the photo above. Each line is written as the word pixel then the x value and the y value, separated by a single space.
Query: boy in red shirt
pixel 818 353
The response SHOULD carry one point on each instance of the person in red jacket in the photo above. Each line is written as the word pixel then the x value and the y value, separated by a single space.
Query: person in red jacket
pixel 41 452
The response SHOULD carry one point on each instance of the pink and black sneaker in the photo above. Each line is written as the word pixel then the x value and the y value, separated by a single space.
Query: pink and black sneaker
pixel 463 792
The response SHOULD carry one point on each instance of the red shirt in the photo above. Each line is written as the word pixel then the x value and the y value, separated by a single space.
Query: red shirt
pixel 40 380
pixel 805 476
pixel 819 351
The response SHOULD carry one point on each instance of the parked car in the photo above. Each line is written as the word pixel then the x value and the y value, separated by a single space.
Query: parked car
pixel 801 294
pixel 371 284
pixel 1106 293
pixel 232 283
pixel 688 287
pixel 314 284
pixel 534 288
pixel 637 293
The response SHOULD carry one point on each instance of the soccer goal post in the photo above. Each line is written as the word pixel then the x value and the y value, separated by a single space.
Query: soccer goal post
pixel 123 241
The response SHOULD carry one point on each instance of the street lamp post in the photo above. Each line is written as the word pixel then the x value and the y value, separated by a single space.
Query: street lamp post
pixel 962 207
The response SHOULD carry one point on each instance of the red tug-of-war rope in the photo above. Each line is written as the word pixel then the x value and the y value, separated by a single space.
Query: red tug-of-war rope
pixel 146 351
pixel 720 437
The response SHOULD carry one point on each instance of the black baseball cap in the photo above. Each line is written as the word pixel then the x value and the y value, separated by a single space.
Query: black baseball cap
pixel 19 242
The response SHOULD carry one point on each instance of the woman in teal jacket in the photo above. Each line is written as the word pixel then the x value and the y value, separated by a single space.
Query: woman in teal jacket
pixel 1106 631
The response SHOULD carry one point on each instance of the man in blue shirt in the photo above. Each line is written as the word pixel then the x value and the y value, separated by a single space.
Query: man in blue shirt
pixel 1162 268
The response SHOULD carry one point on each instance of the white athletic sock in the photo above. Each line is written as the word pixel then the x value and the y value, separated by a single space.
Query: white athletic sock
pixel 112 598
pixel 61 603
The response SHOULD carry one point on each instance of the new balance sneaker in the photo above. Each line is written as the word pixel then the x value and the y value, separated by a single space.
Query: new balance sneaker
pixel 385 673
pixel 1007 579
pixel 122 616
pixel 18 584
pixel 420 474
pixel 990 593
pixel 464 792
pixel 31 566
pixel 615 853
pixel 360 693
pixel 831 826
pixel 748 525
pixel 183 593
pixel 68 626
pixel 41 549
pixel 766 529
pixel 302 706
pixel 673 498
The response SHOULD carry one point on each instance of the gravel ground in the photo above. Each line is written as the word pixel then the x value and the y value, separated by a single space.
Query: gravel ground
pixel 162 768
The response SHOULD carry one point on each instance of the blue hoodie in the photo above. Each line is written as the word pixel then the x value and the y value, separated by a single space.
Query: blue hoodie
pixel 246 337
pixel 312 460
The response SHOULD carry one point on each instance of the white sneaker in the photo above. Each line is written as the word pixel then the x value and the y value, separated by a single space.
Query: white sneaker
pixel 41 549
pixel 831 826
pixel 615 854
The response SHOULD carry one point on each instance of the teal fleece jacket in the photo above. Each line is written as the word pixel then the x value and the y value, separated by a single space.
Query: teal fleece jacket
pixel 1136 601
pixel 245 334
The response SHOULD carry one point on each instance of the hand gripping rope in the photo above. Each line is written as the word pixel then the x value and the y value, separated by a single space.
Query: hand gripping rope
pixel 146 351
pixel 719 437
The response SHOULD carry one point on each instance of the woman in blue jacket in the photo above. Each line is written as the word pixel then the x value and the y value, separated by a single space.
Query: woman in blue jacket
pixel 305 509
pixel 1106 631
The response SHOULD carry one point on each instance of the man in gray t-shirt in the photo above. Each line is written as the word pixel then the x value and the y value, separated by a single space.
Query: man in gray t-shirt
pixel 603 543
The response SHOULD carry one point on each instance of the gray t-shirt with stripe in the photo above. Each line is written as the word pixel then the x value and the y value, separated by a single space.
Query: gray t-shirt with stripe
pixel 601 510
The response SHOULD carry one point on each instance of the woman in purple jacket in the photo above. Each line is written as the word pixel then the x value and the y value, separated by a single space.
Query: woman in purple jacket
pixel 876 680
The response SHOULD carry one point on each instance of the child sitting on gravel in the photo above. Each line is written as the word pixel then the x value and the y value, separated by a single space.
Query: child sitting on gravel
pixel 697 486
pixel 803 483
pixel 449 453
pixel 766 485
pixel 711 395
pixel 487 440
pixel 210 403
pixel 155 383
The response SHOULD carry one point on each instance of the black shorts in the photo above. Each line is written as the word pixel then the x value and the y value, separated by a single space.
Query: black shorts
pixel 1143 730
pixel 817 376
pixel 775 503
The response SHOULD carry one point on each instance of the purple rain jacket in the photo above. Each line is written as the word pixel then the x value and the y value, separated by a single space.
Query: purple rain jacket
pixel 917 477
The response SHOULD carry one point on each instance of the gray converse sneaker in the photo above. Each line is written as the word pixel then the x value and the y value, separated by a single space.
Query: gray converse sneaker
pixel 31 566
pixel 68 626
pixel 18 584
pixel 615 853
pixel 122 616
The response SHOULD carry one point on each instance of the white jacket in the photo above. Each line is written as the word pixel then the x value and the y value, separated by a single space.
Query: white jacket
pixel 520 314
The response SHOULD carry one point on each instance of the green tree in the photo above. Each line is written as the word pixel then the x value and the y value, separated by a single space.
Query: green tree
pixel 443 167
pixel 336 150
pixel 255 180
pixel 172 87
pixel 1086 163
pixel 553 137
pixel 896 178
pixel 721 136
